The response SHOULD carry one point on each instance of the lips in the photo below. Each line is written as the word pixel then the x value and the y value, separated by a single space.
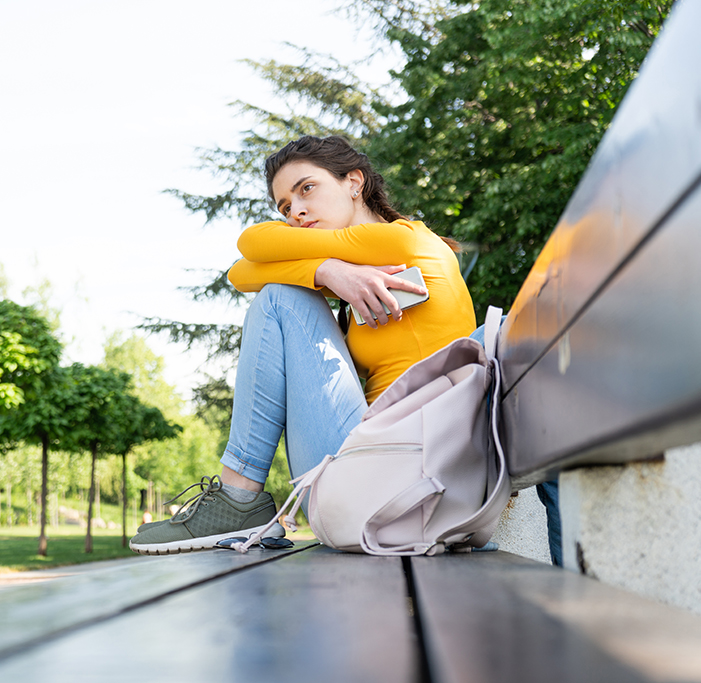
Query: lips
pixel 309 224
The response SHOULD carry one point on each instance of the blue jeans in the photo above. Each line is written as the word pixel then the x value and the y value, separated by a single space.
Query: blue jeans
pixel 294 373
pixel 548 493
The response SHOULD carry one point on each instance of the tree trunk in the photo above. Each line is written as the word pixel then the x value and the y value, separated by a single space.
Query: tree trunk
pixel 124 500
pixel 98 510
pixel 44 493
pixel 10 515
pixel 91 497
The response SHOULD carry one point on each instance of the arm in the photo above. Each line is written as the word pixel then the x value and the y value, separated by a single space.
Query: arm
pixel 247 276
pixel 350 262
pixel 374 244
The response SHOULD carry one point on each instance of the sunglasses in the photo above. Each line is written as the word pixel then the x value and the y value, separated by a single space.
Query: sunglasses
pixel 272 543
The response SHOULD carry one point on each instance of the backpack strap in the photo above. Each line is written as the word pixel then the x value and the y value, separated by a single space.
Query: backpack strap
pixel 492 324
pixel 487 517
pixel 421 492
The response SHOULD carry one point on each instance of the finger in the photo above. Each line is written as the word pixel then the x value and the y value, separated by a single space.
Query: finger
pixel 393 306
pixel 375 304
pixel 366 315
pixel 373 300
pixel 404 285
pixel 391 270
pixel 370 321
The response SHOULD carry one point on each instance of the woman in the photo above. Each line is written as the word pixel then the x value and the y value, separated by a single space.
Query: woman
pixel 296 371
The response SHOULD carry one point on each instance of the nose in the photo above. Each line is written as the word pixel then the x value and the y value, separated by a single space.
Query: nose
pixel 298 211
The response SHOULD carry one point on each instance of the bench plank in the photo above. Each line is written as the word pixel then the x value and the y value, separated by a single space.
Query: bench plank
pixel 33 613
pixel 499 617
pixel 315 615
pixel 625 381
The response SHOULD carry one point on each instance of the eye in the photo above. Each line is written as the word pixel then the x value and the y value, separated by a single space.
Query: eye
pixel 285 210
pixel 306 187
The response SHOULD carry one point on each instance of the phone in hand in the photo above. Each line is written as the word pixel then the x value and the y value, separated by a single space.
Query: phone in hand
pixel 404 299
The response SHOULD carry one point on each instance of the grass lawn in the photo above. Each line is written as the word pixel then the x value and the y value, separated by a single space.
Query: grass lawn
pixel 66 545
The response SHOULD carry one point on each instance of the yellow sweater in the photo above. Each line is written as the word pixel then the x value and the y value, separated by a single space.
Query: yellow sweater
pixel 276 252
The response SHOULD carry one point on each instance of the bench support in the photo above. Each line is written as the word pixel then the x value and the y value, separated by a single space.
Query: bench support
pixel 637 525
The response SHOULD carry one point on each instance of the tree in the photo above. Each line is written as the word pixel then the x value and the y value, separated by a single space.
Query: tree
pixel 28 350
pixel 168 464
pixel 506 102
pixel 133 356
pixel 36 390
pixel 143 423
pixel 102 412
pixel 111 420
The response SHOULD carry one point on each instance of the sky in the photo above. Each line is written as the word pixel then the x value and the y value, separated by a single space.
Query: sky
pixel 102 107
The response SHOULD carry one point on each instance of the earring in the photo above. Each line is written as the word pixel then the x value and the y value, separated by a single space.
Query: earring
pixel 355 194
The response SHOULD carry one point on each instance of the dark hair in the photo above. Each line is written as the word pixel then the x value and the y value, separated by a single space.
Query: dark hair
pixel 335 154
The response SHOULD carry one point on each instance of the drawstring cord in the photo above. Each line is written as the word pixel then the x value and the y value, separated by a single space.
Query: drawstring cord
pixel 303 484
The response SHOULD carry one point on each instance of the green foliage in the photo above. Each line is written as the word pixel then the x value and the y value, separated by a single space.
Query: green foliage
pixel 172 464
pixel 133 356
pixel 28 352
pixel 214 404
pixel 100 407
pixel 220 340
pixel 506 102
pixel 4 282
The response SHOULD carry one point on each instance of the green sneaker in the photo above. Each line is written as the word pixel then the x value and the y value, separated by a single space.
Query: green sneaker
pixel 210 517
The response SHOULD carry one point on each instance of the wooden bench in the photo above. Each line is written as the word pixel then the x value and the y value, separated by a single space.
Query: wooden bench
pixel 313 614
pixel 601 351
pixel 601 361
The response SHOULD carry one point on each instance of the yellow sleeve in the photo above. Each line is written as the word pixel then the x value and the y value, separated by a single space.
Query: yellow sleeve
pixel 247 276
pixel 370 244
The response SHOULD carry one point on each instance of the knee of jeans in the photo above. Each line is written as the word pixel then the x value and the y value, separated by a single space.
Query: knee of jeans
pixel 291 294
pixel 268 295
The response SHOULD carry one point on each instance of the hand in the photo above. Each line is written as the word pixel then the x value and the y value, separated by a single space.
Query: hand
pixel 366 287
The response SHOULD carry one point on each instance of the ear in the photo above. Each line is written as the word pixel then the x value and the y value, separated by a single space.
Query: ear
pixel 356 179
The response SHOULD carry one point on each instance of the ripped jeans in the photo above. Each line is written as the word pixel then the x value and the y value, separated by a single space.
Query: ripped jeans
pixel 294 373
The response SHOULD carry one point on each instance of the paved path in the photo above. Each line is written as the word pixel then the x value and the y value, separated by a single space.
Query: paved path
pixel 10 579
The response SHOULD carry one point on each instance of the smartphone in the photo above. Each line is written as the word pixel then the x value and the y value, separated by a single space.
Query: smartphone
pixel 404 299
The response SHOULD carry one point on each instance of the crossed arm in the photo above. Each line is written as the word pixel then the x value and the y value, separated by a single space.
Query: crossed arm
pixel 356 263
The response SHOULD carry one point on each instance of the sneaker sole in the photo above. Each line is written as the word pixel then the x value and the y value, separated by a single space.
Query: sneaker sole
pixel 202 543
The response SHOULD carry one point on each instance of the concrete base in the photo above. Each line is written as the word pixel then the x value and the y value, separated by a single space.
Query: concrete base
pixel 523 527
pixel 637 526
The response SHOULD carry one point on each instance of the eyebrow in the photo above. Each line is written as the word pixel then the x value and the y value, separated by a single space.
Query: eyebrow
pixel 292 190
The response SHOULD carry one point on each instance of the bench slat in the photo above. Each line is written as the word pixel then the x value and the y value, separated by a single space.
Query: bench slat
pixel 316 615
pixel 34 612
pixel 625 382
pixel 482 624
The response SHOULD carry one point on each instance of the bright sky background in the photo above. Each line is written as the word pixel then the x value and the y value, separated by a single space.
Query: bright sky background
pixel 102 105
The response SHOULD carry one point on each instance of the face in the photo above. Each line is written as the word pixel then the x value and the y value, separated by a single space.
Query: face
pixel 311 197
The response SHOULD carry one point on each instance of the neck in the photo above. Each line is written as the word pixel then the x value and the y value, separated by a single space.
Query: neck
pixel 364 215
